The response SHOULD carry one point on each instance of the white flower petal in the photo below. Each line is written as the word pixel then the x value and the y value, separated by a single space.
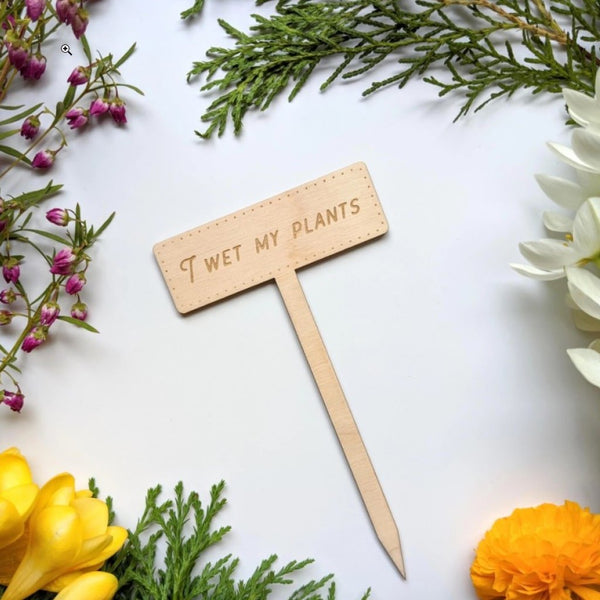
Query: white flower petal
pixel 582 108
pixel 549 254
pixel 587 362
pixel 585 290
pixel 567 155
pixel 585 322
pixel 565 193
pixel 536 273
pixel 570 302
pixel 557 222
pixel 589 182
pixel 587 147
pixel 586 229
pixel 595 345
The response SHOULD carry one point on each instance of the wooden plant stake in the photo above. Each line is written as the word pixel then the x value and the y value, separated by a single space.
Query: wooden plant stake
pixel 271 240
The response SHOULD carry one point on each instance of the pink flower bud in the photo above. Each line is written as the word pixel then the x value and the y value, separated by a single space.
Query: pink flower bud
pixel 7 296
pixel 34 8
pixel 17 55
pixel 62 264
pixel 98 107
pixel 5 317
pixel 66 9
pixel 117 110
pixel 58 216
pixel 33 339
pixel 12 400
pixel 79 22
pixel 77 117
pixel 11 270
pixel 79 311
pixel 34 67
pixel 75 283
pixel 79 76
pixel 49 313
pixel 44 159
pixel 30 127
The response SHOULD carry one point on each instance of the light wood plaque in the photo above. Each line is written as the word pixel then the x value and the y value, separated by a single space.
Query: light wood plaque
pixel 283 233
pixel 271 240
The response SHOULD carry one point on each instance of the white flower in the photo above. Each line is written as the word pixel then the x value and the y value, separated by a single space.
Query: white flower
pixel 587 361
pixel 584 110
pixel 550 257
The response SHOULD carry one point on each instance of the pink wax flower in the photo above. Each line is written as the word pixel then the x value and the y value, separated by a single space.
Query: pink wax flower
pixel 49 313
pixel 79 76
pixel 75 283
pixel 34 67
pixel 12 400
pixel 30 127
pixel 33 339
pixel 117 110
pixel 10 23
pixel 76 117
pixel 66 9
pixel 79 311
pixel 35 8
pixel 5 317
pixel 11 270
pixel 58 216
pixel 7 296
pixel 62 264
pixel 79 22
pixel 17 54
pixel 98 107
pixel 44 159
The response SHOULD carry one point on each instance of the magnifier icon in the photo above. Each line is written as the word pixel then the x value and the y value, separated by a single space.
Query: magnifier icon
pixel 66 49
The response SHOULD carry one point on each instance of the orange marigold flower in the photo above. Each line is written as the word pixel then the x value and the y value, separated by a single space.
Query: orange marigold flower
pixel 544 553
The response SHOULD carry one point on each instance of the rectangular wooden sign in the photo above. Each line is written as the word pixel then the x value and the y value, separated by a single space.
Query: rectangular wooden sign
pixel 283 233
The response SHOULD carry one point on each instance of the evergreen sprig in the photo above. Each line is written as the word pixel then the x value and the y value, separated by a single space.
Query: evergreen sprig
pixel 183 527
pixel 489 49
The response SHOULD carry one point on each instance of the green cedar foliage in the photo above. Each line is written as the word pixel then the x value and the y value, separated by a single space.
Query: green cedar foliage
pixel 181 529
pixel 484 48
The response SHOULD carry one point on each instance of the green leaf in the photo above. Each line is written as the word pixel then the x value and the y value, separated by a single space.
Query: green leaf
pixel 29 199
pixel 78 323
pixel 15 154
pixel 125 56
pixel 86 48
pixel 103 226
pixel 21 115
pixel 6 134
pixel 131 87
pixel 50 236
pixel 5 107
pixel 68 99
pixel 194 10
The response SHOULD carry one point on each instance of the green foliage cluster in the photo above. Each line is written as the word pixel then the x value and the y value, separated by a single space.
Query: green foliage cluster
pixel 185 527
pixel 182 529
pixel 486 48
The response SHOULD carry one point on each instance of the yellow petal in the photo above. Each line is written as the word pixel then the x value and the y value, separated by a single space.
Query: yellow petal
pixel 117 536
pixel 60 490
pixel 93 514
pixel 54 543
pixel 11 556
pixel 22 498
pixel 14 471
pixel 96 585
pixel 11 523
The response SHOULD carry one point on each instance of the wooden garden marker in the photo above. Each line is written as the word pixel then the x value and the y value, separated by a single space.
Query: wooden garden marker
pixel 271 240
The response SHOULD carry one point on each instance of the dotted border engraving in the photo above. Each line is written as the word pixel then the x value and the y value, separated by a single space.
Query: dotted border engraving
pixel 270 274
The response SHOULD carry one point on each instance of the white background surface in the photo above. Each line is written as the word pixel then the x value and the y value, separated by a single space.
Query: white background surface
pixel 454 366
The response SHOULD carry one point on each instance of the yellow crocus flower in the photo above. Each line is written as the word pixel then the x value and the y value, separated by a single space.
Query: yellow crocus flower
pixel 95 585
pixel 17 496
pixel 68 534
